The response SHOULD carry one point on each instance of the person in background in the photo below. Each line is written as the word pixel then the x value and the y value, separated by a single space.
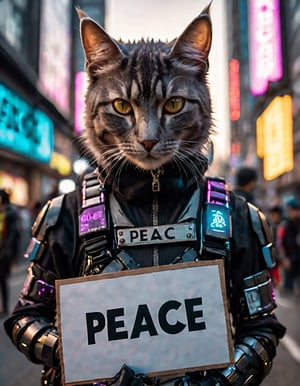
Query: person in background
pixel 288 244
pixel 275 218
pixel 245 182
pixel 9 242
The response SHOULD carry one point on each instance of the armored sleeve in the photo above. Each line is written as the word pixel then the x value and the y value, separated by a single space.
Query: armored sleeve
pixel 252 299
pixel 51 253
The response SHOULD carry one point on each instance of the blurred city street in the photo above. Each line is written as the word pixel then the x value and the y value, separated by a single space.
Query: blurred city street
pixel 16 370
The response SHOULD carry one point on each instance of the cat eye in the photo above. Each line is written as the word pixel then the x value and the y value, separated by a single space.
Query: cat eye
pixel 174 105
pixel 122 107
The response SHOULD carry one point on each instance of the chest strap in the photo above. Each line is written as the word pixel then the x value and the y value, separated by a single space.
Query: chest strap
pixel 96 229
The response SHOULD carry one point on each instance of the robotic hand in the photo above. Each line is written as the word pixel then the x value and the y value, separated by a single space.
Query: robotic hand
pixel 211 379
pixel 127 377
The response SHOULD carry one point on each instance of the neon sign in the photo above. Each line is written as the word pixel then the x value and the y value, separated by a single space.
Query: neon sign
pixel 55 50
pixel 274 133
pixel 265 44
pixel 23 129
pixel 81 82
pixel 234 83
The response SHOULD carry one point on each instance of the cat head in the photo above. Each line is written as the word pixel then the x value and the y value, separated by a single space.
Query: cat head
pixel 147 105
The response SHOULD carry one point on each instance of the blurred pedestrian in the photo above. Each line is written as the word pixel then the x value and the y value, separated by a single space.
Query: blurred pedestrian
pixel 288 243
pixel 275 218
pixel 245 183
pixel 9 241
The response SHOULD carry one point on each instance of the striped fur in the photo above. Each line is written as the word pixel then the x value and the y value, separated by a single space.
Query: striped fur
pixel 146 74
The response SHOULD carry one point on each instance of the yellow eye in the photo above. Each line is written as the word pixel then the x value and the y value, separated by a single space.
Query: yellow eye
pixel 174 105
pixel 122 107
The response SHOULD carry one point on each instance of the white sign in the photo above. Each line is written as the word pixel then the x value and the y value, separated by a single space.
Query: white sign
pixel 158 321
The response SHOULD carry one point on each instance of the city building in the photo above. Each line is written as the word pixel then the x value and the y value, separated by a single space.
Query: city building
pixel 36 131
pixel 264 73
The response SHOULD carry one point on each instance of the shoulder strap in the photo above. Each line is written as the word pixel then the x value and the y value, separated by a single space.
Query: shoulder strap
pixel 94 225
pixel 93 213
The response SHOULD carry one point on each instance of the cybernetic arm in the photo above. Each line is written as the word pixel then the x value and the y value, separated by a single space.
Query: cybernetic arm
pixel 257 330
pixel 253 356
pixel 35 335
pixel 37 339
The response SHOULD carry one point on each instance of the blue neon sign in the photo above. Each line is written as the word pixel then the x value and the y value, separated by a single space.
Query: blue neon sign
pixel 23 129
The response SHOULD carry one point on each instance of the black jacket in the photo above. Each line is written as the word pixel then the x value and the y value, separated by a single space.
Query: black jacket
pixel 64 256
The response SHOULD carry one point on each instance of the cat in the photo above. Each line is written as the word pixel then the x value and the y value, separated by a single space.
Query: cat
pixel 147 204
pixel 147 105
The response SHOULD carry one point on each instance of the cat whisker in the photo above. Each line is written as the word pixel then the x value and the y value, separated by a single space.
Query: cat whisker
pixel 119 171
pixel 117 163
pixel 109 154
pixel 178 161
pixel 119 166
pixel 188 158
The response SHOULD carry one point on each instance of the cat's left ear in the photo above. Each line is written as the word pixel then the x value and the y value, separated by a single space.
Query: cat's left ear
pixel 100 49
pixel 194 44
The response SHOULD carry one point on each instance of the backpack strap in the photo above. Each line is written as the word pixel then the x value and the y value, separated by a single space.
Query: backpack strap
pixel 94 225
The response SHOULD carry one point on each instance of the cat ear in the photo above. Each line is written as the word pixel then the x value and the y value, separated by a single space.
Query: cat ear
pixel 99 48
pixel 194 44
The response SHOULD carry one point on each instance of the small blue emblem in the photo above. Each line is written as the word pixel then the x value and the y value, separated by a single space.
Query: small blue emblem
pixel 218 221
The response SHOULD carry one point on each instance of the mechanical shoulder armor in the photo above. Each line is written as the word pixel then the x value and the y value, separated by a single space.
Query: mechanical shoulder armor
pixel 263 230
pixel 46 219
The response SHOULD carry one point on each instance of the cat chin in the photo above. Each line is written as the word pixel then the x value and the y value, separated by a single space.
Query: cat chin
pixel 149 164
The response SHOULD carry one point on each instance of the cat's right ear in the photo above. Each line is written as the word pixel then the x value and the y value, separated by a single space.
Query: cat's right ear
pixel 99 48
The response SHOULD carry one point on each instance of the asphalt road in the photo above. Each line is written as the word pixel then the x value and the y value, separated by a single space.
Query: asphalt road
pixel 16 370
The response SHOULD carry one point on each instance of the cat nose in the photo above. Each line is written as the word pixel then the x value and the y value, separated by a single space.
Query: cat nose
pixel 148 143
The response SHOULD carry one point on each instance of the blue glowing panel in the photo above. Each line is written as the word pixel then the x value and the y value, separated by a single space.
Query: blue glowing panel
pixel 23 129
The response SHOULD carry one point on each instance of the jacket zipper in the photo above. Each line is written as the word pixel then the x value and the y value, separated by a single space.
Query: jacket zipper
pixel 155 190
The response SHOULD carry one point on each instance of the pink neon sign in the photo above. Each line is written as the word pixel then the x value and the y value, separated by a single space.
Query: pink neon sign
pixel 265 44
pixel 80 90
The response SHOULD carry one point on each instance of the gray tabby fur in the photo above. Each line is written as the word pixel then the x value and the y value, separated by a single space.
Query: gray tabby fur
pixel 146 74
